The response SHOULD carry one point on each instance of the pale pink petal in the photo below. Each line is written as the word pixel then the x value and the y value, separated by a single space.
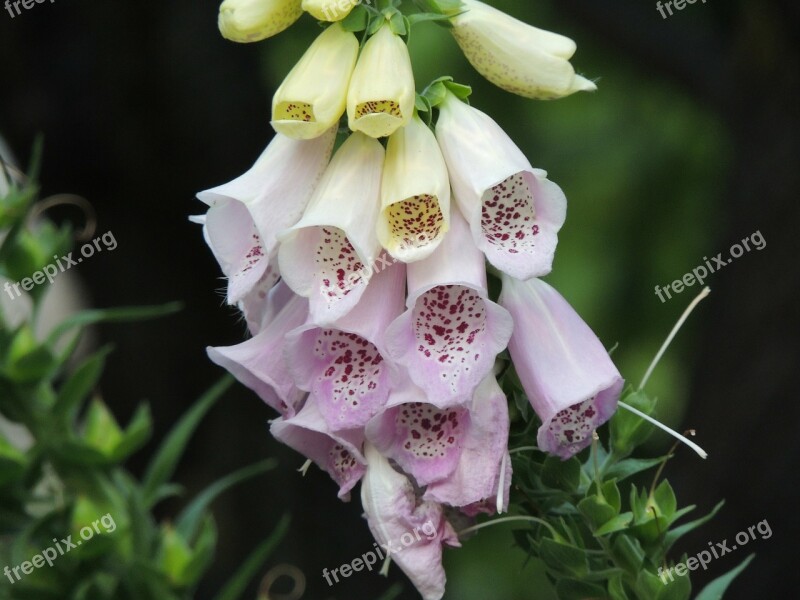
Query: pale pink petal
pixel 450 335
pixel 328 256
pixel 339 454
pixel 484 465
pixel 343 365
pixel 259 364
pixel 566 372
pixel 413 532
pixel 513 210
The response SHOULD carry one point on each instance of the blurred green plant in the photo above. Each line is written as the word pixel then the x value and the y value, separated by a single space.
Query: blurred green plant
pixel 64 474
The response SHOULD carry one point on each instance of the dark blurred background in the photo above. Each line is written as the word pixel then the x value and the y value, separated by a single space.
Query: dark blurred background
pixel 690 145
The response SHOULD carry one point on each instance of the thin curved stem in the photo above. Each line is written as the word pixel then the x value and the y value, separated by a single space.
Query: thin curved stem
pixel 475 528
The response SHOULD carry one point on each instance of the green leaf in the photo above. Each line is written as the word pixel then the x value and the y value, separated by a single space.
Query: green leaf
pixel 564 475
pixel 164 463
pixel 203 551
pixel 187 522
pixel 357 20
pixel 102 431
pixel 80 384
pixel 631 466
pixel 572 589
pixel 597 511
pixel 136 435
pixel 112 315
pixel 616 589
pixel 425 17
pixel 629 430
pixel 675 534
pixel 665 501
pixel 563 558
pixel 715 589
pixel 460 91
pixel 628 553
pixel 237 584
pixel 397 24
pixel 618 523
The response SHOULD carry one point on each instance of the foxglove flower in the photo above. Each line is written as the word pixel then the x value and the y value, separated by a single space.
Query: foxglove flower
pixel 253 20
pixel 449 337
pixel 382 93
pixel 339 454
pixel 513 210
pixel 394 513
pixel 328 256
pixel 313 96
pixel 566 372
pixel 515 56
pixel 329 10
pixel 257 364
pixel 415 194
pixel 344 365
pixel 457 452
pixel 245 215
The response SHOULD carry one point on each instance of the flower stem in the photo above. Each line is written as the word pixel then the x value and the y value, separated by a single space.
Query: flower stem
pixel 475 528
pixel 702 453
pixel 706 291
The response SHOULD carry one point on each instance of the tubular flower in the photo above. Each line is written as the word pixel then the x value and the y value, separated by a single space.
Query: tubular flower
pixel 339 454
pixel 245 215
pixel 256 364
pixel 343 365
pixel 254 20
pixel 382 93
pixel 415 194
pixel 449 337
pixel 567 374
pixel 328 256
pixel 313 96
pixel 394 513
pixel 515 56
pixel 513 210
pixel 329 10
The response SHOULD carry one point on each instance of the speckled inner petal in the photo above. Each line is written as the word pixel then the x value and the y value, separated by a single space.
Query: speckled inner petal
pixel 295 111
pixel 508 218
pixel 387 107
pixel 338 267
pixel 415 222
pixel 351 384
pixel 343 465
pixel 574 424
pixel 430 433
pixel 448 320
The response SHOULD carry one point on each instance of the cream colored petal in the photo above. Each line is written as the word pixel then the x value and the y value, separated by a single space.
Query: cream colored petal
pixel 253 20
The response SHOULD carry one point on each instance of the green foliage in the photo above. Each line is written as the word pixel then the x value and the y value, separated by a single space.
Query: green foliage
pixel 599 533
pixel 67 484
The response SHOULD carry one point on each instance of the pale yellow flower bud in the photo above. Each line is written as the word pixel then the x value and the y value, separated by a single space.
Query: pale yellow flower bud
pixel 382 93
pixel 313 96
pixel 515 56
pixel 255 20
pixel 329 10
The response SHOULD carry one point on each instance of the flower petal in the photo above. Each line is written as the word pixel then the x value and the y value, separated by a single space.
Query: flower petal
pixel 396 520
pixel 339 454
pixel 257 364
pixel 254 20
pixel 566 372
pixel 513 210
pixel 415 194
pixel 327 257
pixel 343 365
pixel 448 339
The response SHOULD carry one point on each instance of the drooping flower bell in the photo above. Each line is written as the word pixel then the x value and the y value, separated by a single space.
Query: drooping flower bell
pixel 513 210
pixel 246 215
pixel 515 56
pixel 343 365
pixel 567 374
pixel 415 194
pixel 254 20
pixel 328 256
pixel 394 513
pixel 449 337
pixel 382 92
pixel 313 96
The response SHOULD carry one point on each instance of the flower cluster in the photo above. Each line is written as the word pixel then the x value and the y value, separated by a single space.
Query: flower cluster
pixel 366 290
